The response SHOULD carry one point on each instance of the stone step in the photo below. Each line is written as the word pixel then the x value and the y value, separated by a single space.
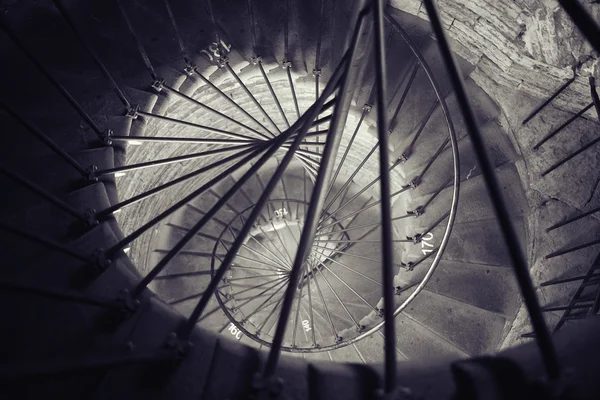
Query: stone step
pixel 474 330
pixel 474 202
pixel 435 130
pixel 499 148
pixel 419 342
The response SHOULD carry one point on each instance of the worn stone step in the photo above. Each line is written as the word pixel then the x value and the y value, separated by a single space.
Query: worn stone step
pixel 471 329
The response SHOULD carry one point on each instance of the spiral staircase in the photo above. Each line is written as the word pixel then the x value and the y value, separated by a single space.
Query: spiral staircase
pixel 121 216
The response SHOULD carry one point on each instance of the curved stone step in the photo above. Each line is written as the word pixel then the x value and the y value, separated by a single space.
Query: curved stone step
pixel 474 330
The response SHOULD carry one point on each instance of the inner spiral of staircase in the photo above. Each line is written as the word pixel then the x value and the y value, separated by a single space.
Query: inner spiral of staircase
pixel 465 309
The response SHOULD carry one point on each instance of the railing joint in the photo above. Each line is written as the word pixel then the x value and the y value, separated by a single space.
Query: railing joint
pixel 316 72
pixel 417 211
pixel 132 111
pixel 90 173
pixel 90 217
pixel 415 239
pixel 190 69
pixel 398 290
pixel 367 107
pixel 158 84
pixel 409 266
pixel 412 184
pixel 179 347
pixel 105 137
pixel 256 60
pixel 402 158
pixel 222 61
pixel 379 312
pixel 286 64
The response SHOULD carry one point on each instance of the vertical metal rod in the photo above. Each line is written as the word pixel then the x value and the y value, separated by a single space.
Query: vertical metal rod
pixel 585 23
pixel 63 11
pixel 318 194
pixel 251 96
pixel 272 91
pixel 563 126
pixel 544 340
pixel 138 42
pixel 65 93
pixel 182 47
pixel 47 141
pixel 303 125
pixel 549 100
pixel 44 194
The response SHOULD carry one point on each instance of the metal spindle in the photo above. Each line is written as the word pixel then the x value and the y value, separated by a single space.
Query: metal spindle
pixel 63 11
pixel 47 141
pixel 65 93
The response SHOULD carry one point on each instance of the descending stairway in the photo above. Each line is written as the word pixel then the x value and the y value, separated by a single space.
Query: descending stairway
pixel 469 298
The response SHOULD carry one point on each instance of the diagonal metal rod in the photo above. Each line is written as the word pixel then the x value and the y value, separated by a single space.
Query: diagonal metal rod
pixel 249 153
pixel 51 244
pixel 566 280
pixel 55 201
pixel 336 251
pixel 303 124
pixel 212 110
pixel 198 126
pixel 344 266
pixel 408 150
pixel 63 11
pixel 319 233
pixel 230 101
pixel 168 139
pixel 164 161
pixel 138 232
pixel 347 86
pixel 544 340
pixel 411 80
pixel 182 47
pixel 570 156
pixel 572 249
pixel 549 100
pixel 137 40
pixel 584 22
pixel 285 261
pixel 272 91
pixel 47 141
pixel 64 92
pixel 251 96
pixel 563 126
pixel 291 83
pixel 573 219
pixel 364 113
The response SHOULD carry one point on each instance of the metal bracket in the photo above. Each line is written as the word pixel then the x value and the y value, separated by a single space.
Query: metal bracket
pixel 158 84
pixel 256 60
pixel 403 158
pixel 380 312
pixel 412 184
pixel 180 347
pixel 286 64
pixel 132 112
pixel 222 61
pixel 316 72
pixel 189 70
pixel 100 260
pixel 398 290
pixel 338 339
pixel 90 173
pixel 105 137
pixel 90 216
pixel 409 266
pixel 417 211
pixel 367 108
pixel 360 328
pixel 415 239
pixel 130 304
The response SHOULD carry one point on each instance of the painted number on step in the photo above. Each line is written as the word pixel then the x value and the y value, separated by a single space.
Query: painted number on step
pixel 306 325
pixel 235 331
pixel 426 242
pixel 214 50
pixel 281 212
